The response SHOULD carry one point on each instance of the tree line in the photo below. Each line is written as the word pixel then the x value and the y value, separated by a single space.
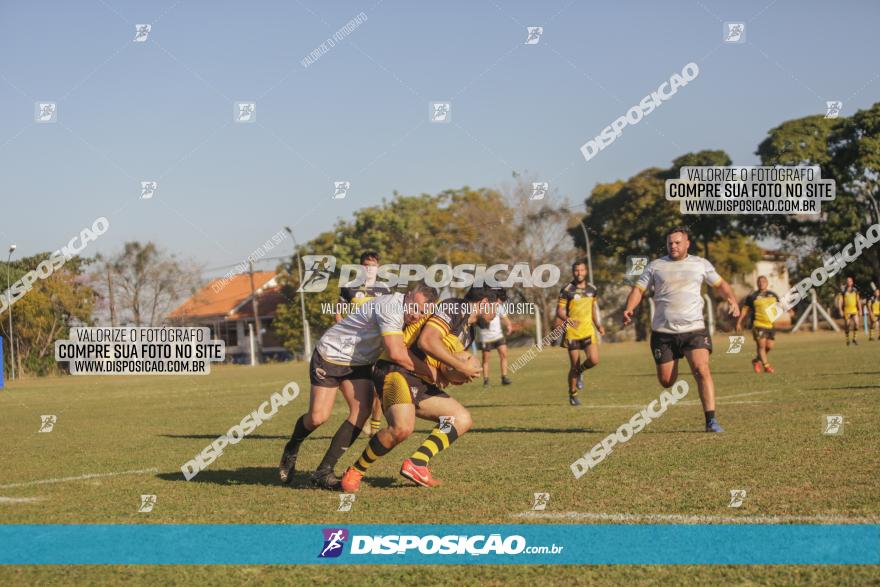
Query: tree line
pixel 141 283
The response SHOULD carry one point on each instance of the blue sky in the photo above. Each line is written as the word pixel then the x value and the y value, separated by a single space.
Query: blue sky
pixel 163 109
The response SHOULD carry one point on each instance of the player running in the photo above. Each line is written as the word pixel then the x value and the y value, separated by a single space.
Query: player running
pixel 355 295
pixel 850 305
pixel 347 352
pixel 678 329
pixel 762 326
pixel 579 305
pixel 874 314
pixel 491 337
pixel 406 396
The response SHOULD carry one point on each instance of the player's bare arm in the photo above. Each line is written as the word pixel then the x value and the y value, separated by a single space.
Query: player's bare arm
pixel 508 325
pixel 431 342
pixel 632 302
pixel 596 322
pixel 425 370
pixel 742 316
pixel 726 292
pixel 561 314
pixel 397 351
pixel 400 354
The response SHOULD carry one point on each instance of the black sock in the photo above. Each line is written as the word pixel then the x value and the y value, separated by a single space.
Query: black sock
pixel 710 415
pixel 300 432
pixel 344 438
pixel 586 365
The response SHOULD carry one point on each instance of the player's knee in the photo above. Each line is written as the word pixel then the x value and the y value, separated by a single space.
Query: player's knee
pixel 318 417
pixel 463 422
pixel 702 372
pixel 666 380
pixel 401 432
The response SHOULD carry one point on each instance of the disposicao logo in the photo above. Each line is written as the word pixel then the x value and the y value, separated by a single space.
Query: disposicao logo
pixel 334 540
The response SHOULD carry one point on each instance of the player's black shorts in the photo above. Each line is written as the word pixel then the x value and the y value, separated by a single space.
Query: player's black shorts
pixel 759 333
pixel 668 346
pixel 578 344
pixel 396 385
pixel 325 374
pixel 492 345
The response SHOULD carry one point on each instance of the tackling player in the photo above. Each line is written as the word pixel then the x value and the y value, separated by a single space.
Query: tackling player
pixel 406 396
pixel 874 314
pixel 579 305
pixel 762 326
pixel 346 352
pixel 492 338
pixel 678 329
pixel 850 305
pixel 355 295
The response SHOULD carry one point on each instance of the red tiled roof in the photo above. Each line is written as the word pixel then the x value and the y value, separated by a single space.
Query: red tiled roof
pixel 221 296
pixel 267 302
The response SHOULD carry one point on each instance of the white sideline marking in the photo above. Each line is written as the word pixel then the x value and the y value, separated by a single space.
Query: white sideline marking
pixel 705 519
pixel 720 398
pixel 726 397
pixel 19 499
pixel 748 401
pixel 79 478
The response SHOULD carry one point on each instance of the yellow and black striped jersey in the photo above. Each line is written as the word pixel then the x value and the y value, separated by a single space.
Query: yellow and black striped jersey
pixel 410 335
pixel 578 304
pixel 358 295
pixel 850 300
pixel 451 318
pixel 760 302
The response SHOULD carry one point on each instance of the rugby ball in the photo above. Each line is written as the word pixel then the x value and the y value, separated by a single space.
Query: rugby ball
pixel 455 376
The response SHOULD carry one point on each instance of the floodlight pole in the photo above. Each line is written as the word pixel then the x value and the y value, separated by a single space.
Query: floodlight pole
pixel 589 255
pixel 307 336
pixel 590 273
pixel 256 309
pixel 9 302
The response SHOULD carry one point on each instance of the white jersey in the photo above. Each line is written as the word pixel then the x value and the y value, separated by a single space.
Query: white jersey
pixel 494 332
pixel 678 305
pixel 357 338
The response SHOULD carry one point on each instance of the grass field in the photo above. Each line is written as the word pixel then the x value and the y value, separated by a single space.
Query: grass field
pixel 140 430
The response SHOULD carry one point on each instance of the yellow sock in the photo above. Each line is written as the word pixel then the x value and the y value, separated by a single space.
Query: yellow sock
pixel 435 443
